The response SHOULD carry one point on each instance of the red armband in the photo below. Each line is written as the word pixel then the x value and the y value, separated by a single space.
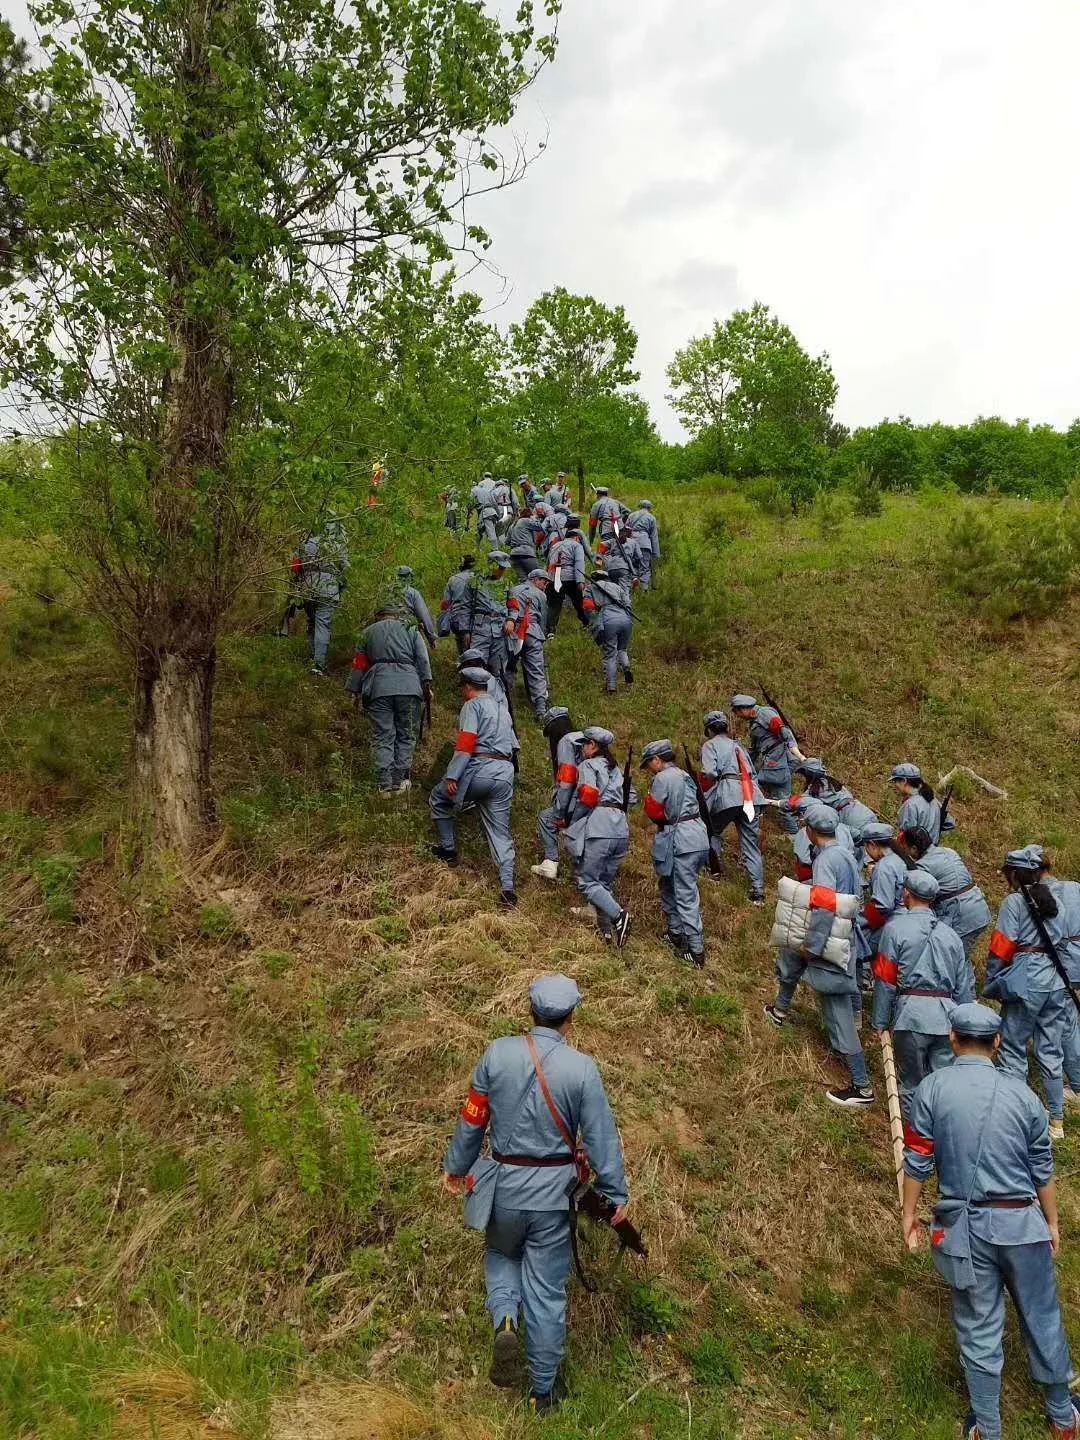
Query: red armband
pixel 873 914
pixel 793 802
pixel 822 897
pixel 588 603
pixel 1002 948
pixel 803 872
pixel 566 775
pixel 919 1143
pixel 706 781
pixel 589 795
pixel 445 605
pixel 602 548
pixel 360 661
pixel 775 725
pixel 653 808
pixel 466 741
pixel 476 1109
pixel 513 603
pixel 296 564
pixel 885 970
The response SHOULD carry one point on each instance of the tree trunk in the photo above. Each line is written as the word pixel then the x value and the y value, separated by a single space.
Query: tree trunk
pixel 172 748
pixel 581 488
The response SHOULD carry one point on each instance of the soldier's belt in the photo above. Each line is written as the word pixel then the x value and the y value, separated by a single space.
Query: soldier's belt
pixel 1005 1202
pixel 952 894
pixel 490 755
pixel 931 994
pixel 609 805
pixel 539 1162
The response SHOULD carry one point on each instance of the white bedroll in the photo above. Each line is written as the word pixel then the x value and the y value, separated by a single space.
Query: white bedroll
pixel 792 920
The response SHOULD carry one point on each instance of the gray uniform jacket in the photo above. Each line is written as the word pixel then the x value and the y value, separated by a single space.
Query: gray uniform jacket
pixel 604 515
pixel 567 557
pixel 642 525
pixel 771 743
pixel 454 610
pixel 390 659
pixel 482 500
pixel 524 531
pixel 324 558
pixel 672 803
pixel 597 813
pixel 505 1096
pixel 920 974
pixel 526 597
pixel 418 606
pixel 720 774
pixel 960 903
pixel 836 872
pixel 485 736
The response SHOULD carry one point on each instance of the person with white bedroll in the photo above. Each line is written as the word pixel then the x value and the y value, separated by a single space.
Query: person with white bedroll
pixel 995 1226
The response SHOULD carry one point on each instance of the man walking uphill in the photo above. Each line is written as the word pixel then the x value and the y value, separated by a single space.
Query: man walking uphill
pixel 534 1096
pixel 995 1224
pixel 390 678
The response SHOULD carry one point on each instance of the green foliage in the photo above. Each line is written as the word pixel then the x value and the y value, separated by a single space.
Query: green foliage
pixel 1019 566
pixel 866 487
pixel 690 599
pixel 727 519
pixel 20 834
pixel 40 621
pixel 276 963
pixel 217 922
pixel 325 1142
pixel 714 1363
pixel 716 1008
pixel 767 402
pixel 573 357
pixel 653 1309
pixel 830 512
pixel 56 876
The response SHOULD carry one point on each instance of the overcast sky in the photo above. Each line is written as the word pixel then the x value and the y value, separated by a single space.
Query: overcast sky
pixel 899 182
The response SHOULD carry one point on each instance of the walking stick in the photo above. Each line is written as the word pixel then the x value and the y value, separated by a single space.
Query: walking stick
pixel 896 1123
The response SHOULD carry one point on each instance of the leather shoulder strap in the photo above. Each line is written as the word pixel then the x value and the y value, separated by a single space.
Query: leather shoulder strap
pixel 560 1123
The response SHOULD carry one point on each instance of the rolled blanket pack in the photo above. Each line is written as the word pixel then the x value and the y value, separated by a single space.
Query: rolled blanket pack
pixel 793 907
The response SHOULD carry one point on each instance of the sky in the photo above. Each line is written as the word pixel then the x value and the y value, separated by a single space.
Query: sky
pixel 899 182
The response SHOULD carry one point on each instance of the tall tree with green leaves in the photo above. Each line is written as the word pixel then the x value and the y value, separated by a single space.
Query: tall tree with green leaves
pixel 218 186
pixel 571 354
pixel 16 113
pixel 756 392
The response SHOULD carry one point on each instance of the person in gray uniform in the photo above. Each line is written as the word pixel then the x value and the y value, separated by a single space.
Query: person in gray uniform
pixel 320 581
pixel 680 849
pixel 416 604
pixel 734 798
pixel 390 678
pixel 772 748
pixel 611 625
pixel 565 744
pixel 643 527
pixel 525 629
pixel 456 608
pixel 598 835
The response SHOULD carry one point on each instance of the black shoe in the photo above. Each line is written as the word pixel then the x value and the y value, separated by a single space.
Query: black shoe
pixel 448 857
pixel 695 958
pixel 852 1098
pixel 509 899
pixel 757 901
pixel 674 942
pixel 505 1369
pixel 628 676
pixel 622 928
pixel 543 1404
pixel 777 1017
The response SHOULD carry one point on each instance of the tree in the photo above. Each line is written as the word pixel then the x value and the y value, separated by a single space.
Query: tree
pixel 14 114
pixel 220 185
pixel 572 355
pixel 766 401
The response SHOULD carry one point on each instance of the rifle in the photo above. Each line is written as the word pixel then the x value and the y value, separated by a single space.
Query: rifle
pixel 774 706
pixel 427 708
pixel 1048 944
pixel 715 867
pixel 587 1200
pixel 628 779
pixel 944 804
pixel 292 609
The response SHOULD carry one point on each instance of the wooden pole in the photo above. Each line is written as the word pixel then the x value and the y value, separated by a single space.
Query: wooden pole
pixel 896 1122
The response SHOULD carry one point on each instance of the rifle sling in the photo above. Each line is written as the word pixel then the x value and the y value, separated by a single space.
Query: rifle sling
pixel 564 1131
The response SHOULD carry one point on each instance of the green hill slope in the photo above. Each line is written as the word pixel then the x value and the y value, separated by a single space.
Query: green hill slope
pixel 226 1088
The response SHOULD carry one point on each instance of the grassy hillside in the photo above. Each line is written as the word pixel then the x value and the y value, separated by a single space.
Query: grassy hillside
pixel 227 1086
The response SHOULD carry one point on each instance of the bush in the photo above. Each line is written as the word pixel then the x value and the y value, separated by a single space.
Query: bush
pixel 1017 568
pixel 217 922
pixel 39 620
pixel 713 1362
pixel 866 491
pixel 830 512
pixel 654 1310
pixel 55 875
pixel 20 834
pixel 726 520
pixel 691 599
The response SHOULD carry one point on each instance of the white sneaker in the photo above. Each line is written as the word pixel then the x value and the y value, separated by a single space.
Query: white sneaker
pixel 1057 1130
pixel 405 785
pixel 583 912
pixel 547 869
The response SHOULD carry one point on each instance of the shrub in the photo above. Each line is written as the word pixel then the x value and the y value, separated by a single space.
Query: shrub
pixel 866 492
pixel 55 875
pixel 654 1310
pixel 713 1362
pixel 769 496
pixel 830 512
pixel 1016 568
pixel 276 963
pixel 691 599
pixel 20 834
pixel 39 620
pixel 726 520
pixel 217 922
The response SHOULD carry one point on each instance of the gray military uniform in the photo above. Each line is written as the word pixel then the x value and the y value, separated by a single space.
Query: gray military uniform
pixel 390 669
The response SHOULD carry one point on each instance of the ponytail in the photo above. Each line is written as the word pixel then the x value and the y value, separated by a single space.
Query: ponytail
pixel 926 791
pixel 918 840
pixel 898 849
pixel 1044 900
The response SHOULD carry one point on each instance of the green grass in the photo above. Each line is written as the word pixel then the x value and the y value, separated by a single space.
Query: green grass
pixel 220 1144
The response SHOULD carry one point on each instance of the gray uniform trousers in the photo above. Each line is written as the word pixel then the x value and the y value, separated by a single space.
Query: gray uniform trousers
pixel 1027 1272
pixel 680 900
pixel 489 785
pixel 1070 1041
pixel 917 1054
pixel 320 617
pixel 527 1263
pixel 780 791
pixel 395 729
pixel 614 640
pixel 595 875
pixel 485 530
pixel 524 565
pixel 532 662
pixel 749 833
pixel 1041 1019
pixel 549 836
pixel 834 1006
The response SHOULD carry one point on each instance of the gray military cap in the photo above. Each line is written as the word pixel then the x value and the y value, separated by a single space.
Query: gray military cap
pixel 539 575
pixel 473 675
pixel 716 720
pixel 812 768
pixel 404 571
pixel 553 997
pixel 644 504
pixel 499 557
pixel 1029 857
pixel 553 713
pixel 743 702
pixel 822 818
pixel 977 1022
pixel 922 884
pixel 905 771
pixel 876 831
pixel 657 750
pixel 599 735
